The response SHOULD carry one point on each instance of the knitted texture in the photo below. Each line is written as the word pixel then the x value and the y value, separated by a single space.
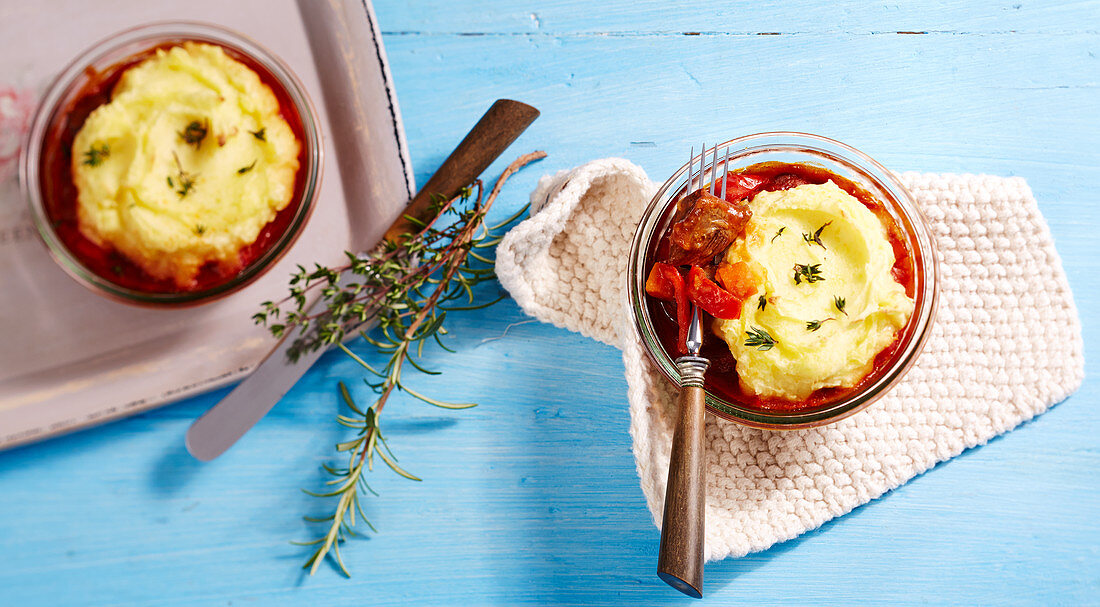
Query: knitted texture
pixel 1005 346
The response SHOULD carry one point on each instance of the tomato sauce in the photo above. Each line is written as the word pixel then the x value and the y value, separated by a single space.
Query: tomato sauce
pixel 60 193
pixel 721 377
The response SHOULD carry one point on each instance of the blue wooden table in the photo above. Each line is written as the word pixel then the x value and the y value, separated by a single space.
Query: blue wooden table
pixel 531 498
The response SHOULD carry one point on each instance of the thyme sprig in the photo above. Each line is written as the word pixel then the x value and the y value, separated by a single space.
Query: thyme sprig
pixel 95 155
pixel 778 233
pixel 816 237
pixel 408 288
pixel 194 132
pixel 814 325
pixel 839 302
pixel 184 181
pixel 807 272
pixel 760 339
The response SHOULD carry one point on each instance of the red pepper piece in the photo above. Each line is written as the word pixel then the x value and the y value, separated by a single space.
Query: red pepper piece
pixel 665 282
pixel 712 298
pixel 739 187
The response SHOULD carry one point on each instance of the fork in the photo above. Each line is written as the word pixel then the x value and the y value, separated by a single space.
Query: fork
pixel 680 557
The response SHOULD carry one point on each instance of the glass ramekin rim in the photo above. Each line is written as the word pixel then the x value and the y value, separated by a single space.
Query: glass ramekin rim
pixel 163 31
pixel 901 200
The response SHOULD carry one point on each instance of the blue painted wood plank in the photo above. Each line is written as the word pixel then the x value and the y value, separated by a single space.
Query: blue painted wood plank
pixel 532 498
pixel 737 18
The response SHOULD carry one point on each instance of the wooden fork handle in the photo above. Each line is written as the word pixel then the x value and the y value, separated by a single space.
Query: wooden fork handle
pixel 680 559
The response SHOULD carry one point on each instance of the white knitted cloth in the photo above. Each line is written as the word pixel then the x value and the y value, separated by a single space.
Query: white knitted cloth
pixel 1006 345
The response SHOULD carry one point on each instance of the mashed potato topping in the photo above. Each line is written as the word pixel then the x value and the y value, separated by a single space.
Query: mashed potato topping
pixel 829 299
pixel 186 164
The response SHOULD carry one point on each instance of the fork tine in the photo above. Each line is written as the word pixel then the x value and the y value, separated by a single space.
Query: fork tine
pixel 702 165
pixel 714 171
pixel 691 167
pixel 725 171
pixel 701 168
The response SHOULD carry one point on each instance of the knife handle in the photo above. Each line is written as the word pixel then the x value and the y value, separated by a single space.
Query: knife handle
pixel 498 128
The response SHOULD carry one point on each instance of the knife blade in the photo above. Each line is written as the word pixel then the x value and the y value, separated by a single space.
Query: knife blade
pixel 227 421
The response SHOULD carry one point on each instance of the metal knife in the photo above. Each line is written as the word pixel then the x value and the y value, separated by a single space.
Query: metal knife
pixel 221 426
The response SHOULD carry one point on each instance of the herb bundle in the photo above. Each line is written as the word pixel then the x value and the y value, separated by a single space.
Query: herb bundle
pixel 407 287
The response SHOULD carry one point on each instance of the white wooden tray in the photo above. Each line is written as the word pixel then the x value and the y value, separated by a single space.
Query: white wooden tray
pixel 69 358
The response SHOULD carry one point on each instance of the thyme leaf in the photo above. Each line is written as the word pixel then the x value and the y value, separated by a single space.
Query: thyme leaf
pixel 187 183
pixel 260 134
pixel 779 233
pixel 243 170
pixel 761 303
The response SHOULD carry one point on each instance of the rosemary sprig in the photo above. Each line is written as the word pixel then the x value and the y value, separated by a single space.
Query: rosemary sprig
pixel 807 272
pixel 407 288
pixel 816 237
pixel 96 155
pixel 759 339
